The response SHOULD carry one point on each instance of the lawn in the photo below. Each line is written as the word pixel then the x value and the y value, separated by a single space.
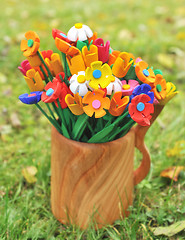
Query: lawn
pixel 153 30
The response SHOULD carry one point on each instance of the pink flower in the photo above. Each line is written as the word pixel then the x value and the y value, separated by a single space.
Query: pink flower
pixel 127 89
pixel 25 66
pixel 103 50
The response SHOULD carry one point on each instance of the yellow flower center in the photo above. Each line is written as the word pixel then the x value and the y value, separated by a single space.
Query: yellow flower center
pixel 81 78
pixel 126 87
pixel 78 25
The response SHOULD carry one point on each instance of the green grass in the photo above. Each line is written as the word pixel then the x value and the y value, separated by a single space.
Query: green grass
pixel 153 30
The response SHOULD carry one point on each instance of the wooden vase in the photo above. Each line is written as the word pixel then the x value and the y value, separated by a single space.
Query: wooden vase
pixel 95 181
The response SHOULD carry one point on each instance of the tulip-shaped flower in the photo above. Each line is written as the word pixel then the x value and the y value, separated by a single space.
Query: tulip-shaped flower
pixel 103 50
pixel 74 103
pixel 145 74
pixel 90 55
pixel 25 66
pixel 34 80
pixel 76 63
pixel 122 65
pixel 159 88
pixel 118 104
pixel 170 93
pixel 65 47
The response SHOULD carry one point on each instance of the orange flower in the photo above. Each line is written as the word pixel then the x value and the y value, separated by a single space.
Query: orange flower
pixel 30 46
pixel 96 103
pixel 54 64
pixel 112 57
pixel 118 104
pixel 93 38
pixel 122 65
pixel 159 88
pixel 65 47
pixel 74 104
pixel 35 60
pixel 145 75
pixel 34 80
pixel 91 55
pixel 76 63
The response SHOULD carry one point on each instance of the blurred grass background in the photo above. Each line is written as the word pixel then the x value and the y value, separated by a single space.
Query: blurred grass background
pixel 153 30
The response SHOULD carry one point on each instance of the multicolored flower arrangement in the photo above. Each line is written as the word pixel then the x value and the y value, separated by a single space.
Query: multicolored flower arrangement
pixel 92 93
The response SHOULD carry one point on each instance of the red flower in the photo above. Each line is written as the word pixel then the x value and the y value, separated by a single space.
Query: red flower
pixel 52 91
pixel 59 76
pixel 64 91
pixel 140 109
pixel 47 54
pixel 59 34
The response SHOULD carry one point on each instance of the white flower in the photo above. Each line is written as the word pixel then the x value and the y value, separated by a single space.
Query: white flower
pixel 115 86
pixel 79 84
pixel 79 32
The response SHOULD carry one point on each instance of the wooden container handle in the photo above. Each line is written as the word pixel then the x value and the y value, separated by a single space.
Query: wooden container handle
pixel 140 131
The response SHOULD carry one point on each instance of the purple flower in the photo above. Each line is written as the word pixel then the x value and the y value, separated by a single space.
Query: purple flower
pixel 143 89
pixel 32 98
pixel 25 66
pixel 103 50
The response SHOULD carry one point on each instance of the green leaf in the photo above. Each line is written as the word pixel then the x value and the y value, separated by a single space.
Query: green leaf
pixel 170 230
pixel 79 126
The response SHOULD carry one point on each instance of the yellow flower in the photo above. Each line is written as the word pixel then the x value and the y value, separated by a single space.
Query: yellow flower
pixel 74 103
pixel 54 64
pixel 34 80
pixel 99 74
pixel 170 93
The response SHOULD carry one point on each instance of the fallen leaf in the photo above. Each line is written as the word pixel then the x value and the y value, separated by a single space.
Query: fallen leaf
pixel 29 174
pixel 172 172
pixel 165 60
pixel 15 120
pixel 170 230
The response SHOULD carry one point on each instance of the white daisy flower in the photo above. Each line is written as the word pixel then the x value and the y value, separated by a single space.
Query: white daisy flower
pixel 79 32
pixel 115 86
pixel 79 84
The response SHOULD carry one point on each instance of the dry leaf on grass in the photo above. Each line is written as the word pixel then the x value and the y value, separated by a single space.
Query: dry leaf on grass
pixel 172 172
pixel 29 174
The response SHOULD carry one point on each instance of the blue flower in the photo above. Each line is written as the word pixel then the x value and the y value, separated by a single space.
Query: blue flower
pixel 143 89
pixel 32 98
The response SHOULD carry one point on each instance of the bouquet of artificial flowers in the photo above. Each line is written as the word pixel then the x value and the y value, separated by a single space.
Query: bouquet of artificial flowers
pixel 91 93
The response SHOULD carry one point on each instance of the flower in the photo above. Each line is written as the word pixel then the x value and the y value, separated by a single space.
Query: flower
pixel 79 84
pixel 32 98
pixel 64 91
pixel 170 93
pixel 34 80
pixel 54 64
pixel 74 104
pixel 59 34
pixel 143 89
pixel 159 88
pixel 145 74
pixel 114 86
pixel 127 89
pixel 65 47
pixel 35 60
pixel 52 91
pixel 96 103
pixel 76 63
pixel 79 32
pixel 140 109
pixel 99 74
pixel 25 66
pixel 122 65
pixel 30 46
pixel 103 50
pixel 90 55
pixel 112 57
pixel 118 104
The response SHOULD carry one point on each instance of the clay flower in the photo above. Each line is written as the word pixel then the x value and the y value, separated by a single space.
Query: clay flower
pixel 140 109
pixel 170 93
pixel 127 89
pixel 52 91
pixel 96 102
pixel 65 47
pixel 99 75
pixel 79 84
pixel 32 98
pixel 74 104
pixel 54 63
pixel 30 46
pixel 113 56
pixel 90 55
pixel 59 34
pixel 122 65
pixel 76 63
pixel 114 86
pixel 118 104
pixel 64 91
pixel 103 50
pixel 145 74
pixel 159 88
pixel 25 66
pixel 143 89
pixel 34 80
pixel 79 32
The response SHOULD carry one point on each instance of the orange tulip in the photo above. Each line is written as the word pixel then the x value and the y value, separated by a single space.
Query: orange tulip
pixel 74 104
pixel 90 55
pixel 159 88
pixel 118 104
pixel 112 57
pixel 30 46
pixel 76 63
pixel 34 80
pixel 65 47
pixel 54 64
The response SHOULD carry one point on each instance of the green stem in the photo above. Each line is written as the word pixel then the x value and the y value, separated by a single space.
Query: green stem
pixel 51 112
pixel 65 66
pixel 45 76
pixel 42 60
